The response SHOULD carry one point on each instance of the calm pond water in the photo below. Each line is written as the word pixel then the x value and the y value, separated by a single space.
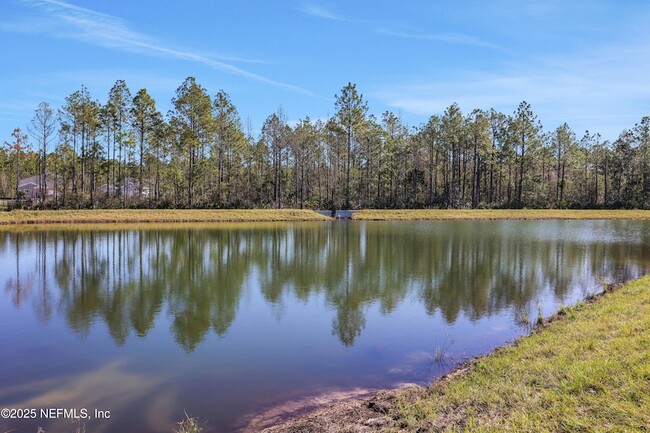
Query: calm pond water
pixel 226 321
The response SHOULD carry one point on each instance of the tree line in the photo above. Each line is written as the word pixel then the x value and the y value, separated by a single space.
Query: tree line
pixel 126 153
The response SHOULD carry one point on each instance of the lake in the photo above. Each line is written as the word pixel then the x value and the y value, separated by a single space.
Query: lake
pixel 228 321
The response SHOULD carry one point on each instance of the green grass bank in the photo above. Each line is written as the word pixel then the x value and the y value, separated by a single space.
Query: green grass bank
pixel 494 214
pixel 100 216
pixel 110 216
pixel 587 369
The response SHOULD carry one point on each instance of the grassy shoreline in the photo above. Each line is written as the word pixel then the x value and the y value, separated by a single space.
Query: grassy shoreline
pixel 103 216
pixel 128 216
pixel 585 369
pixel 495 214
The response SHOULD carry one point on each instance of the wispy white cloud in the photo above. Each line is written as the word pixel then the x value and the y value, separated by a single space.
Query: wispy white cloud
pixel 603 90
pixel 320 12
pixel 70 21
pixel 100 79
pixel 18 105
pixel 112 382
pixel 450 38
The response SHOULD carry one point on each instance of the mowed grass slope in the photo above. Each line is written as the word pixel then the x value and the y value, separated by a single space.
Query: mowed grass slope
pixel 488 214
pixel 154 215
pixel 586 371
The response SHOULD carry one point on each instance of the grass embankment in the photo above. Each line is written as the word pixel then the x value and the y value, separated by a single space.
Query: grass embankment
pixel 586 370
pixel 99 216
pixel 157 216
pixel 493 214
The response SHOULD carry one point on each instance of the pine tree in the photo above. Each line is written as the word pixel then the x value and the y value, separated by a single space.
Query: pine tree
pixel 351 112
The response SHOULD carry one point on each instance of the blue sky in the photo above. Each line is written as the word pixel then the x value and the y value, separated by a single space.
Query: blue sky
pixel 586 63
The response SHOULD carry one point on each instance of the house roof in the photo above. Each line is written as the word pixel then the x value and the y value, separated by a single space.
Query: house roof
pixel 32 182
pixel 27 185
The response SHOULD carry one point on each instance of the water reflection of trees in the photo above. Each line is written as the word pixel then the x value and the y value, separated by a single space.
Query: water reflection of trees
pixel 197 276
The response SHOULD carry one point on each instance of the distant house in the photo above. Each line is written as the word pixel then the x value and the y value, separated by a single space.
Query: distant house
pixel 30 187
pixel 128 189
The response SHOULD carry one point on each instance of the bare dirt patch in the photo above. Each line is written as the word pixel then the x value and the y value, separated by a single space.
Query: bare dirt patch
pixel 370 412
